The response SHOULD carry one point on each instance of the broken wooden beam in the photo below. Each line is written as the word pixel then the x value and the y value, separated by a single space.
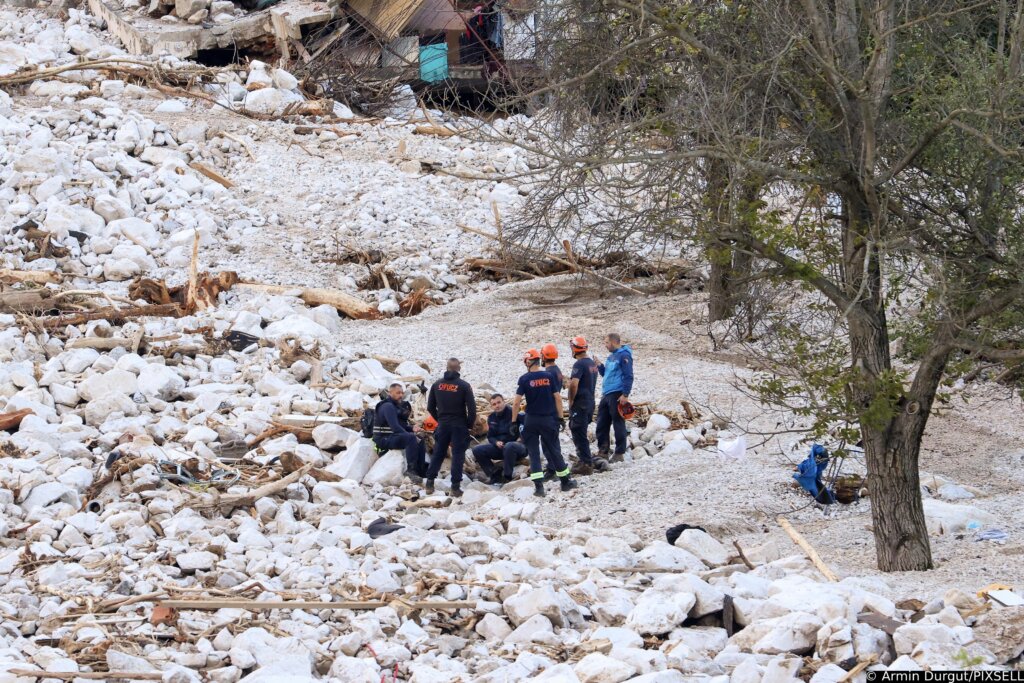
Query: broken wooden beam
pixel 808 549
pixel 99 343
pixel 351 306
pixel 211 174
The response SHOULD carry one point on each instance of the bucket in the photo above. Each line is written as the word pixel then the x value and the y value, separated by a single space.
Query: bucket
pixel 434 62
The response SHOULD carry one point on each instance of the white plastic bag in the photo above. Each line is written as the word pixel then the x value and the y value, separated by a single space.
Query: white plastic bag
pixel 733 448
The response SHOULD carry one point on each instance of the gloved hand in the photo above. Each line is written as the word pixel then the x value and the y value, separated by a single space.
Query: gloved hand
pixel 561 424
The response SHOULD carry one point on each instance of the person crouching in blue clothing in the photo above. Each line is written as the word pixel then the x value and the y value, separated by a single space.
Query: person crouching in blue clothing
pixel 391 430
pixel 616 385
pixel 503 443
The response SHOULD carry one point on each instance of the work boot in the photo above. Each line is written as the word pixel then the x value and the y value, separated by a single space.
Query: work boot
pixel 617 457
pixel 568 484
pixel 582 469
pixel 430 486
pixel 600 465
pixel 497 479
pixel 456 491
pixel 415 478
pixel 549 475
pixel 538 488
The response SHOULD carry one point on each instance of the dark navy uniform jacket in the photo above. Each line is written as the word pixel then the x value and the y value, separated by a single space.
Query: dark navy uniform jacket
pixel 451 401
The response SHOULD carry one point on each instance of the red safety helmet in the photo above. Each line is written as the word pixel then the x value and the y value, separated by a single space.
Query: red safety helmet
pixel 429 423
pixel 578 344
pixel 531 355
pixel 549 351
pixel 627 410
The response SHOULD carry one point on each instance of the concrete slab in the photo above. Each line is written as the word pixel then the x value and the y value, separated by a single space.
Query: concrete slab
pixel 143 35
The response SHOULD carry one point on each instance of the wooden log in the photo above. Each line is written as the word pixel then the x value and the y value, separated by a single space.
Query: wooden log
pixel 808 549
pixel 857 670
pixel 27 301
pixel 113 315
pixel 39 277
pixel 351 306
pixel 99 343
pixel 359 605
pixel 247 499
pixel 90 675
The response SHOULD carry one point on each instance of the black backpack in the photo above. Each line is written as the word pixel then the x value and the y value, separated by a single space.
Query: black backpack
pixel 367 421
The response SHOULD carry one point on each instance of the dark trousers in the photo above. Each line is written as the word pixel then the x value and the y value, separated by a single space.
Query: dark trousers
pixel 449 434
pixel 487 453
pixel 415 450
pixel 579 420
pixel 608 417
pixel 542 430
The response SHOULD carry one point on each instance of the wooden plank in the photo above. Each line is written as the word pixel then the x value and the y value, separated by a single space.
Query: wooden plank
pixel 808 549
pixel 211 174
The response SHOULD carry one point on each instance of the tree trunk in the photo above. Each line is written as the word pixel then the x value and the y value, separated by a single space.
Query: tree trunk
pixel 891 429
pixel 719 254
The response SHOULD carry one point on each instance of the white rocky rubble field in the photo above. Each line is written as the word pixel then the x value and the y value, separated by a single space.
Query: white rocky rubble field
pixel 92 536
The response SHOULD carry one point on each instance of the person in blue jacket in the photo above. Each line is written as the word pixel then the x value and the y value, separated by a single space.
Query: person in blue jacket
pixel 809 474
pixel 616 384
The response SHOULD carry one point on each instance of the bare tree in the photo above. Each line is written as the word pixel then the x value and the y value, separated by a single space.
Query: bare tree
pixel 899 121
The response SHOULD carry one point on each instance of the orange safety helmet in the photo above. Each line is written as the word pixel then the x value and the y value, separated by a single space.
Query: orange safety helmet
pixel 429 423
pixel 578 344
pixel 531 355
pixel 627 410
pixel 549 352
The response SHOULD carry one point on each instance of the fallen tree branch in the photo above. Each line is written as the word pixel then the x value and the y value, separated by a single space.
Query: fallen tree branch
pixel 211 174
pixel 554 258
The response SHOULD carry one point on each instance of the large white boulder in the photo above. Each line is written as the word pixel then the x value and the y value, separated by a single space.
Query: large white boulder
pixel 544 600
pixel 599 668
pixel 297 327
pixel 387 471
pixel 355 461
pixel 659 612
pixel 330 436
pixel 111 381
pixel 369 371
pixel 48 493
pixel 344 492
pixel 98 410
pixel 161 382
pixel 702 545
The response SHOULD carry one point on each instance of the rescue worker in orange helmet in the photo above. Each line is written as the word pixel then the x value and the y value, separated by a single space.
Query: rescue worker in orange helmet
pixel 548 356
pixel 543 411
pixel 582 392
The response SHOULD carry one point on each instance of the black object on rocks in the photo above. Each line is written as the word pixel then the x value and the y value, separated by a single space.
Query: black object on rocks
pixel 380 527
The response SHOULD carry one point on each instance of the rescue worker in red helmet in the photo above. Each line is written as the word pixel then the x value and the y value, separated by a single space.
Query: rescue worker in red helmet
pixel 543 411
pixel 582 391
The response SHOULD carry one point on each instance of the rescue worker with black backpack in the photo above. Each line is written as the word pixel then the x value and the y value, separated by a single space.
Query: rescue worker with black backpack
pixel 452 404
pixel 392 431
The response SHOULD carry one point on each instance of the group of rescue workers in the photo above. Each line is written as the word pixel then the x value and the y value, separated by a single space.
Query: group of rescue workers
pixel 524 429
